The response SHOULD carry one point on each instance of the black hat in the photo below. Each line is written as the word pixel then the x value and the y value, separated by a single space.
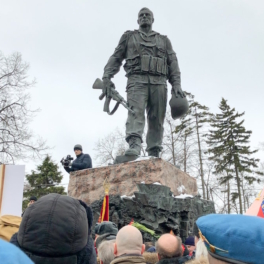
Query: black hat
pixel 105 227
pixel 33 198
pixel 78 146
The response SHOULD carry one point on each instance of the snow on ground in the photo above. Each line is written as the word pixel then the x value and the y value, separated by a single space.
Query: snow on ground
pixel 181 188
pixel 143 158
pixel 183 196
pixel 125 196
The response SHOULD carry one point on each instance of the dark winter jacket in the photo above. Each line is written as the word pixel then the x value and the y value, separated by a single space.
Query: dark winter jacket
pixel 55 230
pixel 178 260
pixel 83 161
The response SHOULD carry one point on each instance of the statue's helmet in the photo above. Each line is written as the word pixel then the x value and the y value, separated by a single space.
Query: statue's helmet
pixel 179 106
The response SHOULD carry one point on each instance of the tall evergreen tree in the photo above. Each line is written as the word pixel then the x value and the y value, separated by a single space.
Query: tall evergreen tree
pixel 43 181
pixel 229 148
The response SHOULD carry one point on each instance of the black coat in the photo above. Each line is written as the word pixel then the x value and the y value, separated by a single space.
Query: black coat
pixel 56 229
pixel 83 161
pixel 178 260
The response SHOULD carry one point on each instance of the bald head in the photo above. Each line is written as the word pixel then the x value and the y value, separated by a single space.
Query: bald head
pixel 129 241
pixel 169 246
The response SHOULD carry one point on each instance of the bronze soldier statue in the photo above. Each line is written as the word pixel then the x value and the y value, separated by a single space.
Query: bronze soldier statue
pixel 150 62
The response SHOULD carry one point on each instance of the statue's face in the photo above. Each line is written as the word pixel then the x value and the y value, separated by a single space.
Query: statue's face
pixel 145 18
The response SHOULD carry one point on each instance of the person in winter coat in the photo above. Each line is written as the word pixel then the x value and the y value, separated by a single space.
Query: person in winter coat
pixel 82 161
pixel 169 249
pixel 129 246
pixel 56 229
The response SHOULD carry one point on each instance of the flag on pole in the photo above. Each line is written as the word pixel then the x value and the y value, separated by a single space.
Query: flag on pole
pixel 104 215
pixel 257 207
pixel 261 209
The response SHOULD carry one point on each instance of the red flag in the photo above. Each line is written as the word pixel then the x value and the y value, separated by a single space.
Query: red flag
pixel 104 215
pixel 131 222
pixel 261 210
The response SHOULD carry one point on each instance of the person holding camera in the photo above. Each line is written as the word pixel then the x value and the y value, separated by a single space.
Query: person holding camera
pixel 82 161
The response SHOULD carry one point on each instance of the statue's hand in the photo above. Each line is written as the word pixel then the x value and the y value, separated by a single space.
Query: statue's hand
pixel 178 91
pixel 108 84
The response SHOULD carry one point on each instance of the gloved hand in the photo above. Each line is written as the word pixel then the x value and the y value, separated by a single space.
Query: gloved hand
pixel 178 91
pixel 108 84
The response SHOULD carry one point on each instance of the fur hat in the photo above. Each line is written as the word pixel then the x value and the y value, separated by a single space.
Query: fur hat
pixel 105 227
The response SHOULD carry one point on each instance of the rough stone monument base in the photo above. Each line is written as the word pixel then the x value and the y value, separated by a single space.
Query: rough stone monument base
pixel 87 185
pixel 154 206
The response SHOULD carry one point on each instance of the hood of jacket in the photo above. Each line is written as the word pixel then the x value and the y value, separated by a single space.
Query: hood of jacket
pixel 55 225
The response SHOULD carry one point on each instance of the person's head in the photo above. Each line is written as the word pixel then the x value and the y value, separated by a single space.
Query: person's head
pixel 32 200
pixel 61 225
pixel 77 149
pixel 9 253
pixel 129 241
pixel 106 252
pixel 232 238
pixel 145 17
pixel 190 244
pixel 169 246
pixel 148 245
pixel 105 237
pixel 105 227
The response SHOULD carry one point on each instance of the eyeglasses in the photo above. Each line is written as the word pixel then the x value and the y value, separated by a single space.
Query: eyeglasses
pixel 209 246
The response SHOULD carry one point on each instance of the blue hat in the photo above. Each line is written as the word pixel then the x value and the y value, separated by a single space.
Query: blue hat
pixel 233 238
pixel 189 241
pixel 12 254
pixel 151 249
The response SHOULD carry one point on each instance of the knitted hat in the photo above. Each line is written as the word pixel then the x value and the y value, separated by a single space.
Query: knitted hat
pixel 33 198
pixel 77 147
pixel 190 241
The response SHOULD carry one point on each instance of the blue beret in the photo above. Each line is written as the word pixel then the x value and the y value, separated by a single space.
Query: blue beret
pixel 234 237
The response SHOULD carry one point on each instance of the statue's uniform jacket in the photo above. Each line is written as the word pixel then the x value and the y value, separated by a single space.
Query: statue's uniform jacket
pixel 150 62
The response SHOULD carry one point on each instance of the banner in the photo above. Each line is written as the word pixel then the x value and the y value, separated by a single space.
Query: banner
pixel 11 189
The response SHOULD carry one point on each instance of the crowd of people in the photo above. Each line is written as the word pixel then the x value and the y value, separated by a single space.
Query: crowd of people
pixel 58 229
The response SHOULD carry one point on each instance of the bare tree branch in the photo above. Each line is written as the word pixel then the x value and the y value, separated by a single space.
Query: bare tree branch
pixel 17 142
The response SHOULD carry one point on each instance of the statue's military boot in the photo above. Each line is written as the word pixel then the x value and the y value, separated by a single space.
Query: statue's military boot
pixel 154 152
pixel 134 147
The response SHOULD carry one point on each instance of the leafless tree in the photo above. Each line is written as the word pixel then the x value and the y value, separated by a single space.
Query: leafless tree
pixel 17 141
pixel 109 147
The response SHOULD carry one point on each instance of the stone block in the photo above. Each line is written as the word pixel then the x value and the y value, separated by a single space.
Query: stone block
pixel 87 185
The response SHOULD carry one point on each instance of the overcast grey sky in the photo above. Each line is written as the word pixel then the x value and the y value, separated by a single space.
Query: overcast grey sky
pixel 219 45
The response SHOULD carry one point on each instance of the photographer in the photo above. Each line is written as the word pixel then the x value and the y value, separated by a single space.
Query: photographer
pixel 82 161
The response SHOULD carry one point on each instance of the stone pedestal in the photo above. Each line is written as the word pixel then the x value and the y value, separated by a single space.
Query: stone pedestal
pixel 87 185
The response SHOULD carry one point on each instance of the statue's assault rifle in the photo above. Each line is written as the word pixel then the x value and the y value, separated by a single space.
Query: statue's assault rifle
pixel 98 84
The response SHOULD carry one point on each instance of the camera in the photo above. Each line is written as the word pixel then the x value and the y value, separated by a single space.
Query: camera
pixel 66 161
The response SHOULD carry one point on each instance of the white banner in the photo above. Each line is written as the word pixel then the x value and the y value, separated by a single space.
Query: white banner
pixel 12 189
